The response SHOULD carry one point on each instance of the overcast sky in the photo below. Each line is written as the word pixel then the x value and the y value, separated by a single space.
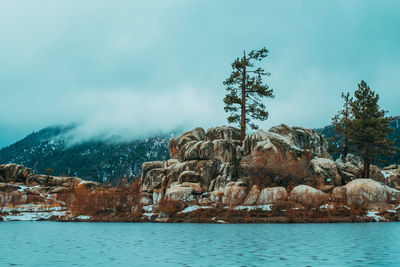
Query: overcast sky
pixel 138 67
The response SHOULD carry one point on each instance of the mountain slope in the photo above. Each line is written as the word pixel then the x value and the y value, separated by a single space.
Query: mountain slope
pixel 101 161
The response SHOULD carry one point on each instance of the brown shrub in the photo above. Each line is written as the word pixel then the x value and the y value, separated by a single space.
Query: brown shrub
pixel 169 206
pixel 266 168
pixel 103 200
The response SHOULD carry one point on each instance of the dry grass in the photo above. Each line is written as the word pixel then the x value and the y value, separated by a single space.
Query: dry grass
pixel 105 200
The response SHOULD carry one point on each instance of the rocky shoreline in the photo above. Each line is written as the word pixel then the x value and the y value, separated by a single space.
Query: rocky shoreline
pixel 284 175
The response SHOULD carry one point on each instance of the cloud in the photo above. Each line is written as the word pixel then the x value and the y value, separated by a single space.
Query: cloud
pixel 134 68
pixel 134 114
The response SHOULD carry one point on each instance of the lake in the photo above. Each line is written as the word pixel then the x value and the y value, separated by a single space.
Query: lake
pixel 155 244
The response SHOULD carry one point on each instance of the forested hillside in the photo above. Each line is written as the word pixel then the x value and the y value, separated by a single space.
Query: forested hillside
pixel 102 161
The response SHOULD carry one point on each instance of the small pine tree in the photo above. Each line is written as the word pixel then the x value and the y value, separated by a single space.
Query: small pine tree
pixel 369 128
pixel 341 122
pixel 245 89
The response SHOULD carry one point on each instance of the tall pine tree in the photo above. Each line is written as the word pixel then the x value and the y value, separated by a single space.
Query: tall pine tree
pixel 369 128
pixel 245 88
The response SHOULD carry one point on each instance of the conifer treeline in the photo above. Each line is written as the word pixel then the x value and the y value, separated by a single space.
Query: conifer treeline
pixel 362 128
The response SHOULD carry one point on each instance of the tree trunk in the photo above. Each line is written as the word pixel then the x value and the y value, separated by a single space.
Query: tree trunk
pixel 367 162
pixel 243 111
pixel 367 167
pixel 345 150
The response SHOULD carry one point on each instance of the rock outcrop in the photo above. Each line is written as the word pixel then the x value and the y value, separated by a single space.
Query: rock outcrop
pixel 20 185
pixel 276 167
pixel 15 173
pixel 215 160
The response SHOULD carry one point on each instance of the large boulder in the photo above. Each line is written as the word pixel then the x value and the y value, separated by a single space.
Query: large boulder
pixel 308 195
pixel 189 176
pixel 252 196
pixel 304 138
pixel 339 194
pixel 62 181
pixel 235 193
pixel 216 196
pixel 351 168
pixel 160 175
pixel 180 180
pixel 203 170
pixel 221 143
pixel 196 150
pixel 53 181
pixel 225 176
pixel 14 173
pixel 186 192
pixel 392 176
pixel 364 191
pixel 226 150
pixel 272 195
pixel 376 174
pixel 175 144
pixel 152 175
pixel 224 132
pixel 326 169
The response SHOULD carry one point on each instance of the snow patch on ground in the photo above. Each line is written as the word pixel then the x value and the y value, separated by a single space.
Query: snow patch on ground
pixel 326 206
pixel 32 216
pixel 372 214
pixel 148 208
pixel 22 188
pixel 266 207
pixel 84 217
pixel 32 212
pixel 148 214
pixel 33 208
pixel 193 208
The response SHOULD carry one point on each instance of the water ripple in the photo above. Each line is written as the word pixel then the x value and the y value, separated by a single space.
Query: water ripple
pixel 125 244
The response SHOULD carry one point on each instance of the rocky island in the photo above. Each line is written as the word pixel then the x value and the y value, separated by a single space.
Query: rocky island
pixel 284 174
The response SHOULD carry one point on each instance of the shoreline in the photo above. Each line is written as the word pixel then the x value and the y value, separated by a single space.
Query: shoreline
pixel 224 215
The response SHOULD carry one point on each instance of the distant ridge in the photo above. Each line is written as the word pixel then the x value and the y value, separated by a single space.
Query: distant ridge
pixel 101 161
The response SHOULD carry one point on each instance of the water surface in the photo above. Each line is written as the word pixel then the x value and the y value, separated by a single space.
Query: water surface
pixel 150 244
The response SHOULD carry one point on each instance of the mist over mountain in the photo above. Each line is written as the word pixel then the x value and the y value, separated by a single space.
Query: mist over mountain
pixel 108 158
pixel 103 160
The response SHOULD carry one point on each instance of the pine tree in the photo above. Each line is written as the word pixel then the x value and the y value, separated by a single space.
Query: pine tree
pixel 245 89
pixel 341 123
pixel 369 128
